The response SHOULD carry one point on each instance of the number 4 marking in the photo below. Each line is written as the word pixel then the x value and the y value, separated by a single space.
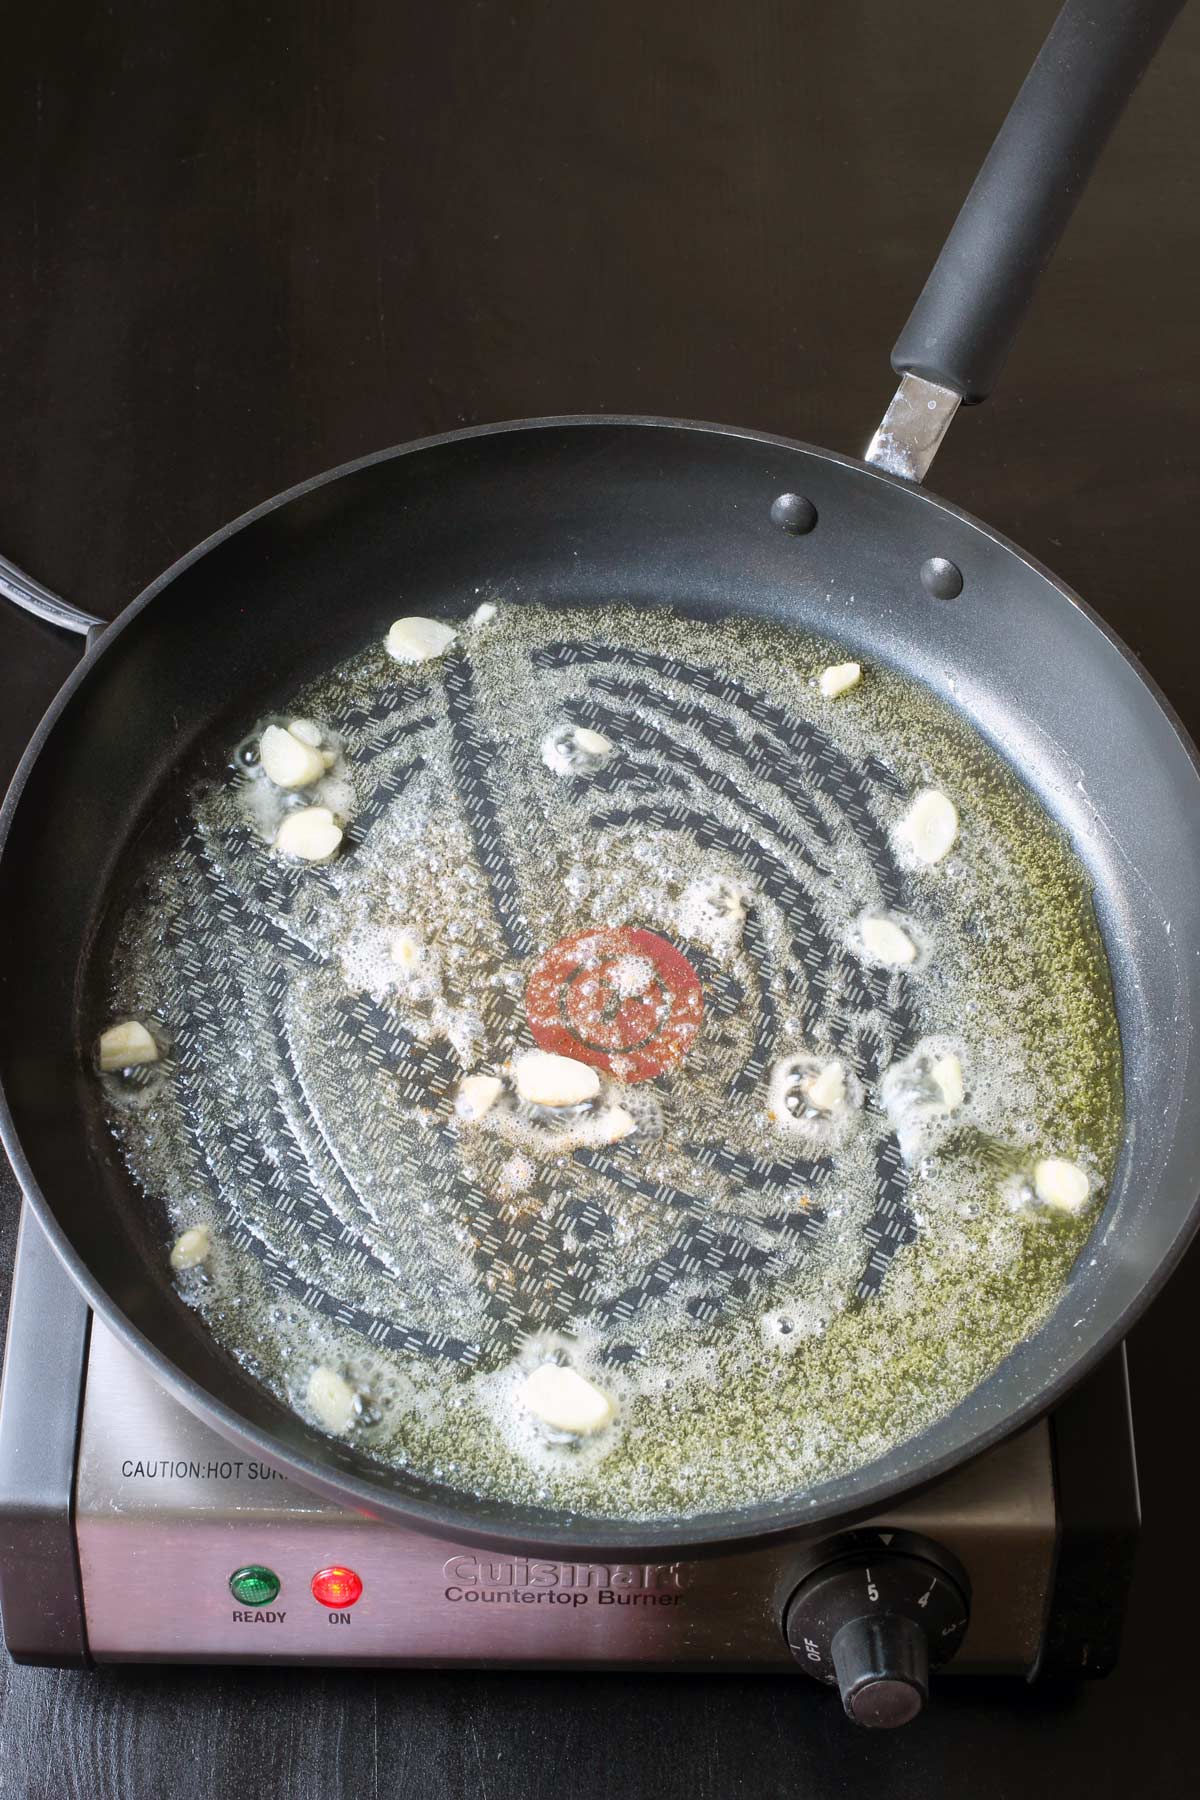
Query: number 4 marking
pixel 924 1599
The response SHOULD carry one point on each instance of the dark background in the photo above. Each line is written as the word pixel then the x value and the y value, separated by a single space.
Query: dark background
pixel 241 245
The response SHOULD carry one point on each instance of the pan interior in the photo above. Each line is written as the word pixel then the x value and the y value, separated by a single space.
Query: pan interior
pixel 771 1298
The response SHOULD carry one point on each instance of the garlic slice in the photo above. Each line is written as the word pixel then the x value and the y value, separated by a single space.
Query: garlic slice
pixel 574 750
pixel 827 1091
pixel 713 910
pixel 567 1401
pixel 331 1399
pixel 310 835
pixel 544 1079
pixel 418 640
pixel 126 1046
pixel 839 678
pixel 920 1094
pixel 307 730
pixel 884 942
pixel 818 1099
pixel 477 1094
pixel 1061 1184
pixel 288 760
pixel 947 1077
pixel 615 1123
pixel 928 829
pixel 408 950
pixel 592 743
pixel 191 1247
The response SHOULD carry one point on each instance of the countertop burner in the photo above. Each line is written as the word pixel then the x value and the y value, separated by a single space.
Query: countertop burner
pixel 129 1531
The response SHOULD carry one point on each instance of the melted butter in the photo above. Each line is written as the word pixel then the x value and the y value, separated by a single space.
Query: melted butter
pixel 728 1391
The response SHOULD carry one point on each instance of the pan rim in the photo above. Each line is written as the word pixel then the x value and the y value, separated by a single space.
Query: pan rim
pixel 766 1522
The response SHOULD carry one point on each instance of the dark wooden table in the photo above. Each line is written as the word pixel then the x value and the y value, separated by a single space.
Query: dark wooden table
pixel 242 245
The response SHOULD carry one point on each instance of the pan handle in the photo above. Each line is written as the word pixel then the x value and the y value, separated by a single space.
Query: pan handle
pixel 962 327
pixel 25 592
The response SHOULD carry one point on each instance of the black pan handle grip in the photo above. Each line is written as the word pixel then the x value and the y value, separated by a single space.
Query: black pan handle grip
pixel 962 327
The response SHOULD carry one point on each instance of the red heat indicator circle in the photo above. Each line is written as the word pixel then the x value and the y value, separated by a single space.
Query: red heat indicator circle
pixel 337 1587
pixel 620 998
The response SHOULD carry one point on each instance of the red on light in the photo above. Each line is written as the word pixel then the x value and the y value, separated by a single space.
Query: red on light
pixel 336 1587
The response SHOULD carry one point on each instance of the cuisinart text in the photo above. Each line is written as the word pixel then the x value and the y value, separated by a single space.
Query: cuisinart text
pixel 521 1583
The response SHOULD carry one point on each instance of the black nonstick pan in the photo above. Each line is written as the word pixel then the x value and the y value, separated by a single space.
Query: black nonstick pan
pixel 715 522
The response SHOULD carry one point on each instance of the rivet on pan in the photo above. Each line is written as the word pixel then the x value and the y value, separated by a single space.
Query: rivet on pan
pixel 794 514
pixel 941 578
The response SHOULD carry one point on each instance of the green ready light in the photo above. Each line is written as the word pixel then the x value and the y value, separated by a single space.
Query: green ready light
pixel 254 1585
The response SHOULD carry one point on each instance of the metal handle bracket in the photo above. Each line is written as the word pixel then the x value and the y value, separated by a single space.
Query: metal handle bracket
pixel 911 430
pixel 33 598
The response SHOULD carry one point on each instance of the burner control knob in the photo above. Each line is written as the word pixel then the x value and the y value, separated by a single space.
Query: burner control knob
pixel 874 1613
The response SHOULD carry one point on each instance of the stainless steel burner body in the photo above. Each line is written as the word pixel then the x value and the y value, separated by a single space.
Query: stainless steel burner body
pixel 123 1520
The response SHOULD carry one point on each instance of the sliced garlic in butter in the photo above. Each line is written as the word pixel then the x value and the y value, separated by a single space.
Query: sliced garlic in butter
pixel 714 910
pixel 818 1099
pixel 191 1247
pixel 919 1094
pixel 827 1091
pixel 884 942
pixel 331 1399
pixel 839 678
pixel 1061 1184
pixel 575 750
pixel 615 1123
pixel 419 640
pixel 929 828
pixel 307 730
pixel 477 1094
pixel 947 1076
pixel 288 760
pixel 408 950
pixel 544 1079
pixel 567 1401
pixel 310 834
pixel 126 1046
